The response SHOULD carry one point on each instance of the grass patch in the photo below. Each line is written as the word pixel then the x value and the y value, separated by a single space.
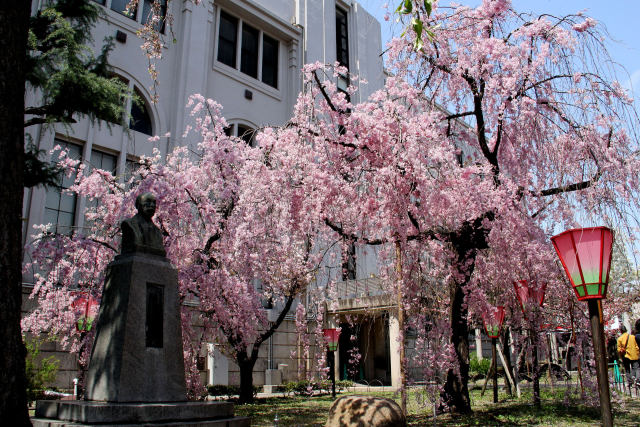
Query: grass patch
pixel 313 411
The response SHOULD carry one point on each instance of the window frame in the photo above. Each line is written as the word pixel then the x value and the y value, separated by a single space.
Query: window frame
pixel 59 190
pixel 236 71
pixel 139 12
pixel 129 105
pixel 342 13
pixel 233 129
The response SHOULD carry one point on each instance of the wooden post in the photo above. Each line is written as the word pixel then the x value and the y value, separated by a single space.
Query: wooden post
pixel 403 390
pixel 599 350
pixel 489 375
pixel 495 370
pixel 507 373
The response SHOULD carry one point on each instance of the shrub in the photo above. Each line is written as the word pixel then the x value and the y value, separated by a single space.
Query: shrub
pixel 38 374
pixel 228 390
pixel 479 367
pixel 306 387
pixel 343 385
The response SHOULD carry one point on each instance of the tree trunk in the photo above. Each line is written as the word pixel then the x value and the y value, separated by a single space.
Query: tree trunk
pixel 456 391
pixel 246 365
pixel 536 371
pixel 466 241
pixel 14 20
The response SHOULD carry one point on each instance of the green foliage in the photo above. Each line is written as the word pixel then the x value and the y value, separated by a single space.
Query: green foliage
pixel 344 385
pixel 479 367
pixel 417 23
pixel 228 390
pixel 38 373
pixel 63 69
pixel 39 172
pixel 308 388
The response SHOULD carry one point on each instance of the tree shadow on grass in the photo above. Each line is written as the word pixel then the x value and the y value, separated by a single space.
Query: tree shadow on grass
pixel 517 414
pixel 305 411
pixel 291 411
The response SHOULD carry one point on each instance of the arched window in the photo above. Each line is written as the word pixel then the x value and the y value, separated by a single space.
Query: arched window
pixel 242 131
pixel 140 118
pixel 139 113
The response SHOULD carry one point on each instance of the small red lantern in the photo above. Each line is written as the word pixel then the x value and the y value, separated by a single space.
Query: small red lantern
pixel 529 295
pixel 492 321
pixel 86 307
pixel 585 254
pixel 331 335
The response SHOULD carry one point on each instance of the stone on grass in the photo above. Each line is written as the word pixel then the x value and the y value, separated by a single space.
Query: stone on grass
pixel 365 411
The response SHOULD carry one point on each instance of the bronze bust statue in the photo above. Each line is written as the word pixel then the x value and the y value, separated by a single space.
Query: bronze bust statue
pixel 139 233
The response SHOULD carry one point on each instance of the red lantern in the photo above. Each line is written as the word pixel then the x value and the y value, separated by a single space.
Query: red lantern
pixel 492 321
pixel 331 335
pixel 529 295
pixel 86 307
pixel 585 254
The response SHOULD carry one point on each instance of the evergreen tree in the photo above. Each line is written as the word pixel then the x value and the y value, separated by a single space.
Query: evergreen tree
pixel 48 53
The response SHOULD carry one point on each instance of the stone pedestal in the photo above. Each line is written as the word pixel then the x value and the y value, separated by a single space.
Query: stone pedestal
pixel 83 413
pixel 137 353
pixel 136 372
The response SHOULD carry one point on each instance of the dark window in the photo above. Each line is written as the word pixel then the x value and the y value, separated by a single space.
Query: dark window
pixel 130 169
pixel 250 50
pixel 229 130
pixel 140 117
pixel 269 61
pixel 99 2
pixel 60 206
pixel 249 54
pixel 246 133
pixel 342 38
pixel 228 35
pixel 147 13
pixel 104 161
pixel 120 6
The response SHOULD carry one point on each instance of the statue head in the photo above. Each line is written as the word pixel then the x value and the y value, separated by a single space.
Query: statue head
pixel 146 205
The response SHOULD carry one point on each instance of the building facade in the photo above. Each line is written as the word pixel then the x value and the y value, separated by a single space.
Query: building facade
pixel 246 55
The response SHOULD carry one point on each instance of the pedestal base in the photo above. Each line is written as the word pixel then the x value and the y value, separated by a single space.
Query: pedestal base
pixel 137 353
pixel 90 413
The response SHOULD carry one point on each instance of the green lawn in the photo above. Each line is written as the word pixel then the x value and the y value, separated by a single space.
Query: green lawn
pixel 304 411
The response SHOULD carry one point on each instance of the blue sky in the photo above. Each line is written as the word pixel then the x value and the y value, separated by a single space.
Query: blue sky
pixel 620 17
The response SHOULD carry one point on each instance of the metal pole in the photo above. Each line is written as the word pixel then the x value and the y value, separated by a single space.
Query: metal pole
pixel 495 370
pixel 332 367
pixel 599 350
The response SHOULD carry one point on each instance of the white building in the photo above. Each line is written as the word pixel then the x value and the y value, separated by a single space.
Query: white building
pixel 245 54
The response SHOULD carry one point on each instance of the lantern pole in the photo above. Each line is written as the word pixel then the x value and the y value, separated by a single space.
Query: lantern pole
pixel 495 370
pixel 332 367
pixel 585 254
pixel 597 332
pixel 332 335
